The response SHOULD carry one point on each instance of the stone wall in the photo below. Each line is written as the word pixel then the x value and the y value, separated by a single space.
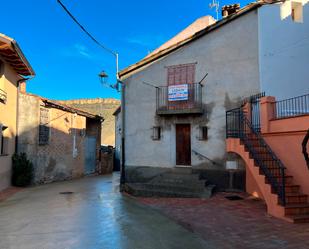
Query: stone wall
pixel 102 107
pixel 64 156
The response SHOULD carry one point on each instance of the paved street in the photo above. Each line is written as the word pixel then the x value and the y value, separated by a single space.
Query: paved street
pixel 94 216
pixel 229 224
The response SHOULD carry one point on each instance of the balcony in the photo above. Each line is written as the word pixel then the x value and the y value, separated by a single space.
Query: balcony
pixel 180 99
pixel 3 96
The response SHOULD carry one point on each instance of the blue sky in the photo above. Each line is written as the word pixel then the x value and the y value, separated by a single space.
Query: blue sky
pixel 67 62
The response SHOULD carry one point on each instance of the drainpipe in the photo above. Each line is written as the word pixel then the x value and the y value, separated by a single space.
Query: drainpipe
pixel 17 109
pixel 123 173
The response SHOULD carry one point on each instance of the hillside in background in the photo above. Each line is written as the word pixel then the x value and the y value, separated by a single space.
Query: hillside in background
pixel 102 107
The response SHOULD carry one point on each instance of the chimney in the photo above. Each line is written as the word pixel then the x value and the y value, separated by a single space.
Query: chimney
pixel 22 86
pixel 230 9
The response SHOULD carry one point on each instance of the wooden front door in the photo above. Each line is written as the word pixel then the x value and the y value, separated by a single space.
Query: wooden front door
pixel 183 144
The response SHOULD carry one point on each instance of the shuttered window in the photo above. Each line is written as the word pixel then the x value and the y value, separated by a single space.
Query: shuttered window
pixel 44 127
pixel 181 74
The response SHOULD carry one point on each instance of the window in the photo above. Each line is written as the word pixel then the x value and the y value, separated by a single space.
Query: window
pixel 156 133
pixel 44 127
pixel 203 133
pixel 297 12
pixel 4 142
pixel 181 74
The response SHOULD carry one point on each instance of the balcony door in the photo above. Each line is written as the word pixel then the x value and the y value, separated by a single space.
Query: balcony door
pixel 182 75
pixel 183 144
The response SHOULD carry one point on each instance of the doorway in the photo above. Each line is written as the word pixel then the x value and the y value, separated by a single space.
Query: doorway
pixel 183 144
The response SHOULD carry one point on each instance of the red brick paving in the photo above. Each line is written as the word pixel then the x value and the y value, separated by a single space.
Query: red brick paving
pixel 5 194
pixel 233 224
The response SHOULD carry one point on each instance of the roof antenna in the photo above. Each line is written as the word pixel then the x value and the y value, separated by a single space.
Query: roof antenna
pixel 215 4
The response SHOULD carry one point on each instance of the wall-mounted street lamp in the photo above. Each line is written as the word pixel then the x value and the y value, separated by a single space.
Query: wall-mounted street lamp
pixel 103 76
pixel 120 87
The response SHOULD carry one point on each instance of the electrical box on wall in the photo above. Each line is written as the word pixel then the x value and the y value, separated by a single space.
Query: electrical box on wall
pixel 231 165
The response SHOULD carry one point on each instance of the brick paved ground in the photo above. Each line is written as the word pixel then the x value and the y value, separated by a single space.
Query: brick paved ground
pixel 4 194
pixel 232 224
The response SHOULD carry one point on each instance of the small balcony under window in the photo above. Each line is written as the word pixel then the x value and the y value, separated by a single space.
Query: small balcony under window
pixel 179 99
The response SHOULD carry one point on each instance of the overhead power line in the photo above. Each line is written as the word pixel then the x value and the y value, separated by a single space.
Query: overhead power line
pixel 87 33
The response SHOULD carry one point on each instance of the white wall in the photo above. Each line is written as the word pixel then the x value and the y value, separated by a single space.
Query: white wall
pixel 230 56
pixel 284 51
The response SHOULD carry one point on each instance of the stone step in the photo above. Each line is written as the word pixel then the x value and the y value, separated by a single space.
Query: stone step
pixel 298 218
pixel 180 179
pixel 143 190
pixel 288 179
pixel 295 198
pixel 176 187
pixel 296 209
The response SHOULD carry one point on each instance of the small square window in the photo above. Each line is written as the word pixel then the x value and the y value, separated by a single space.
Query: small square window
pixel 203 133
pixel 297 12
pixel 156 133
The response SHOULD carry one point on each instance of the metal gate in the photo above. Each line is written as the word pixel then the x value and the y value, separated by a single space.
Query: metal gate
pixel 254 101
pixel 90 155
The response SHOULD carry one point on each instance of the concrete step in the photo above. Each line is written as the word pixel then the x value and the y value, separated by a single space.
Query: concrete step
pixel 176 187
pixel 148 190
pixel 180 179
pixel 295 198
pixel 298 218
pixel 296 209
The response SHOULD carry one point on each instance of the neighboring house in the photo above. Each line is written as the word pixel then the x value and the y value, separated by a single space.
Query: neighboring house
pixel 62 142
pixel 13 67
pixel 102 107
pixel 173 119
pixel 117 161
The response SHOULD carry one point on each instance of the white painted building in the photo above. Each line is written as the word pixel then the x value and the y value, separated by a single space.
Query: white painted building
pixel 261 47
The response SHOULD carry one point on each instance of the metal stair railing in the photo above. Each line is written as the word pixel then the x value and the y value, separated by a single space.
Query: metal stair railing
pixel 238 126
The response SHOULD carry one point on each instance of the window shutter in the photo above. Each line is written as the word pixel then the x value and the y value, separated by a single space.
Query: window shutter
pixel 181 74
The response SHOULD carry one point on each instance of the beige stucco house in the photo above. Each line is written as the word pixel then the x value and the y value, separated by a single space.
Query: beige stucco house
pixel 175 118
pixel 13 68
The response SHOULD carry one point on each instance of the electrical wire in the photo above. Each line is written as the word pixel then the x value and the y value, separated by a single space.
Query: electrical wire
pixel 87 33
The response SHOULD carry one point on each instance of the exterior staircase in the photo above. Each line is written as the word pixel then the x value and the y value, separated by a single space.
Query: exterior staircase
pixel 283 196
pixel 175 183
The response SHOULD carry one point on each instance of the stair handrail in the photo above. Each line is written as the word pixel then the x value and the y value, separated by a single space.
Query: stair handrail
pixel 207 158
pixel 282 168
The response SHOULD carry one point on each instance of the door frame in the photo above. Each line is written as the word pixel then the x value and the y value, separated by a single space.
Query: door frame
pixel 189 165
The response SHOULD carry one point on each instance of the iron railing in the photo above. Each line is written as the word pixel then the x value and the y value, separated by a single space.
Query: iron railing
pixel 292 107
pixel 3 96
pixel 238 126
pixel 190 104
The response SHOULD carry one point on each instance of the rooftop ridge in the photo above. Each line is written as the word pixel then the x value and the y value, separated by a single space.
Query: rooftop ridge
pixel 91 101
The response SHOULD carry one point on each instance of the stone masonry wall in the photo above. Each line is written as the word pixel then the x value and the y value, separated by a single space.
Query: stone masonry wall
pixel 54 161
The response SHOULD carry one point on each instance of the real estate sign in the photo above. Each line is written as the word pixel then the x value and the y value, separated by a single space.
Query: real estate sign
pixel 178 92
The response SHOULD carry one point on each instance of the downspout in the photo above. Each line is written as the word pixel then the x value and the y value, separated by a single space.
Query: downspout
pixel 17 109
pixel 123 170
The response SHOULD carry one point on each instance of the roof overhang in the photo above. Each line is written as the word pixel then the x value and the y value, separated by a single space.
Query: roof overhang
pixel 12 54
